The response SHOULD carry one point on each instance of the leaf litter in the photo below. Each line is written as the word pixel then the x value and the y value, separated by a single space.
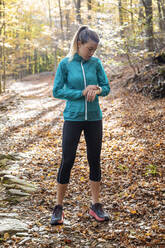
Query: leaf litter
pixel 133 162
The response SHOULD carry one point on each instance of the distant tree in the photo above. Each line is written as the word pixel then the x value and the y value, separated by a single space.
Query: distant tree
pixel 121 21
pixel 2 46
pixel 89 4
pixel 50 14
pixel 161 14
pixel 61 18
pixel 1 26
pixel 149 25
pixel 77 4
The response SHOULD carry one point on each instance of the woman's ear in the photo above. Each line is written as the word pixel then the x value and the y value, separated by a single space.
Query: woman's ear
pixel 79 44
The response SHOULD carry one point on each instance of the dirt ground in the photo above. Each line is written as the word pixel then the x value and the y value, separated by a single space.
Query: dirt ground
pixel 133 165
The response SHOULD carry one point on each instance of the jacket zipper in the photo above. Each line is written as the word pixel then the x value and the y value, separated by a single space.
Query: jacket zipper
pixel 85 85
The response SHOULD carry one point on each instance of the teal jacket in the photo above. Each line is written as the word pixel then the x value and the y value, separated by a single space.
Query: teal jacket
pixel 71 79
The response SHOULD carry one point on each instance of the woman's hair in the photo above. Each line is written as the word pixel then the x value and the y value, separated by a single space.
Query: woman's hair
pixel 83 34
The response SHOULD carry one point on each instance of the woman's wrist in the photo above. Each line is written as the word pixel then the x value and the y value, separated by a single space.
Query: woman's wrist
pixel 99 90
pixel 83 92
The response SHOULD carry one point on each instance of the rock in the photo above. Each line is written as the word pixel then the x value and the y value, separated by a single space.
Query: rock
pixel 21 187
pixel 9 215
pixel 26 186
pixel 20 234
pixel 3 162
pixel 24 240
pixel 17 192
pixel 35 229
pixel 8 157
pixel 4 172
pixel 10 225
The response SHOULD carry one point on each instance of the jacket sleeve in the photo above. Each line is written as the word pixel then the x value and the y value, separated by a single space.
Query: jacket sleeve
pixel 60 89
pixel 102 80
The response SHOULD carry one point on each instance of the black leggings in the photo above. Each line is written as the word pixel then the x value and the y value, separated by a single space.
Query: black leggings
pixel 71 136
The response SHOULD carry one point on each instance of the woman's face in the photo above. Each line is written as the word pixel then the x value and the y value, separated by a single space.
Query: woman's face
pixel 87 50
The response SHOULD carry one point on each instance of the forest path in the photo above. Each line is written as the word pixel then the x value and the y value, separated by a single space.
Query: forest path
pixel 133 162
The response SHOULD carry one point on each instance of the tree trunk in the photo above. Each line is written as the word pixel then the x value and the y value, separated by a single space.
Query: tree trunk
pixel 1 7
pixel 89 4
pixel 67 20
pixel 141 12
pixel 163 13
pixel 67 17
pixel 149 25
pixel 61 18
pixel 120 17
pixel 78 13
pixel 3 47
pixel 50 15
pixel 132 19
pixel 160 15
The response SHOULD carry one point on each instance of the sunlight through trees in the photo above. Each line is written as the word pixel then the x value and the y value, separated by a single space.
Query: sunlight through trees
pixel 34 35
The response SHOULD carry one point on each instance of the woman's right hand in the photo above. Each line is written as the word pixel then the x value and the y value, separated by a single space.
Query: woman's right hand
pixel 89 88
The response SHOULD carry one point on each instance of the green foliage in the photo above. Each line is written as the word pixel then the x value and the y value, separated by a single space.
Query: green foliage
pixel 32 39
pixel 123 167
pixel 151 170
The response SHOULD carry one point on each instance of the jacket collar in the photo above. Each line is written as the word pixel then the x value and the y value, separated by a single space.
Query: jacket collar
pixel 77 57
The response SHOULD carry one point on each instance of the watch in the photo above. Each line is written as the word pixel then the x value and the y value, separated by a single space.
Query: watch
pixel 100 89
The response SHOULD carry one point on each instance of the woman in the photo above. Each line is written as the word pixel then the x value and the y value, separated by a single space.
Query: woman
pixel 80 80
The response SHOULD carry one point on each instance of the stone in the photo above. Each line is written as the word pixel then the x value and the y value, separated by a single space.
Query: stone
pixel 10 225
pixel 9 215
pixel 20 234
pixel 10 179
pixel 20 187
pixel 17 192
pixel 3 173
pixel 24 240
pixel 3 162
pixel 8 157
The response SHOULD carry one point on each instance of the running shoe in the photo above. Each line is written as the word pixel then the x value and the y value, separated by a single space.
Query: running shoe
pixel 57 216
pixel 98 213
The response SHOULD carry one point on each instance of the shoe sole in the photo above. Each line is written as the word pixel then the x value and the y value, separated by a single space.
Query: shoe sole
pixel 92 213
pixel 58 222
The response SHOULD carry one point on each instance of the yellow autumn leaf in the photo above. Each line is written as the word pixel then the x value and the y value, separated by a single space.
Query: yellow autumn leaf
pixel 148 234
pixel 79 214
pixel 82 179
pixel 6 236
pixel 50 174
pixel 133 211
pixel 155 227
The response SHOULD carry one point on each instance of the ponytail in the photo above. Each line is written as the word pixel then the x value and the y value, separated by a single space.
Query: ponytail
pixel 83 34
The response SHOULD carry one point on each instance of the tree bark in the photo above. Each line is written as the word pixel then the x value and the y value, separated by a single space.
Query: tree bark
pixel 163 13
pixel 67 17
pixel 132 19
pixel 1 47
pixel 89 4
pixel 149 25
pixel 141 12
pixel 77 4
pixel 120 17
pixel 50 15
pixel 61 18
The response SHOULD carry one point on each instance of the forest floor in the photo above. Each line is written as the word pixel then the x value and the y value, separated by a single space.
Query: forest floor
pixel 133 166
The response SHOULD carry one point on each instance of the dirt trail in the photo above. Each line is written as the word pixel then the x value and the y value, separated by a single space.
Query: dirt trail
pixel 30 111
pixel 133 162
